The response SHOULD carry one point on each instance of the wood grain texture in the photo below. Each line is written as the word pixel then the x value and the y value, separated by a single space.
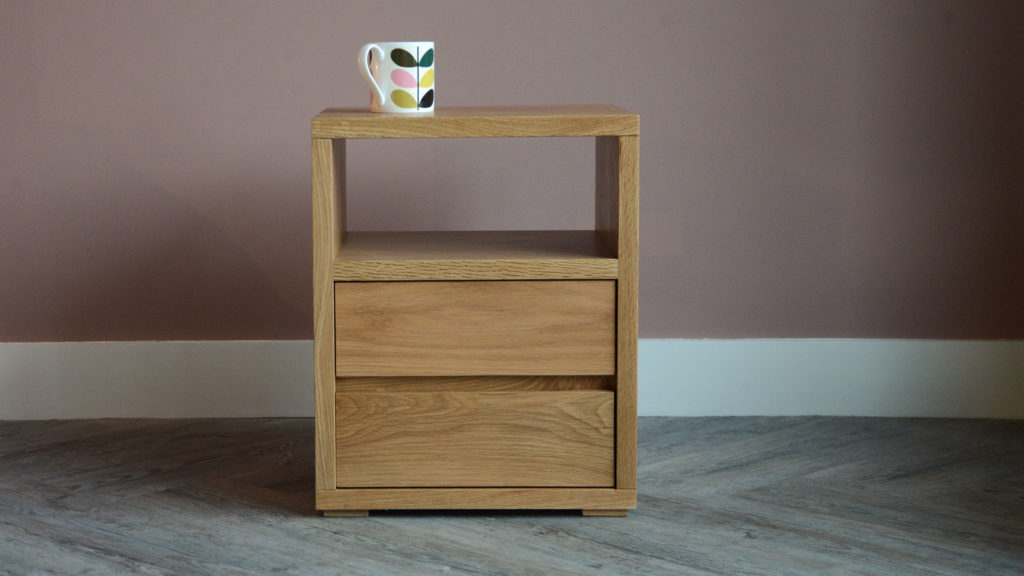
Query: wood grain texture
pixel 485 439
pixel 477 255
pixel 474 383
pixel 474 498
pixel 719 496
pixel 390 323
pixel 616 221
pixel 475 328
pixel 628 312
pixel 328 177
pixel 477 122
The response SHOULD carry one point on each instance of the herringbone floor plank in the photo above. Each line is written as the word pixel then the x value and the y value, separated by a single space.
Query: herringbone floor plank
pixel 717 496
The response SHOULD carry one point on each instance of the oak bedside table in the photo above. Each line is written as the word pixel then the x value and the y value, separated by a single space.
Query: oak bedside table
pixel 461 370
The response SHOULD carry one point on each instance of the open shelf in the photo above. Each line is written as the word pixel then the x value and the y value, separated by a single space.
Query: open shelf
pixel 474 255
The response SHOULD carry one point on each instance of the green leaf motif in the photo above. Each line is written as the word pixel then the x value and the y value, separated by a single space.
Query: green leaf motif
pixel 404 59
pixel 427 60
pixel 403 99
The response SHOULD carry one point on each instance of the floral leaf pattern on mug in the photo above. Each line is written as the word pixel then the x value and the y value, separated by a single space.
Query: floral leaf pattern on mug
pixel 426 82
pixel 405 59
pixel 428 99
pixel 427 60
pixel 403 99
pixel 404 79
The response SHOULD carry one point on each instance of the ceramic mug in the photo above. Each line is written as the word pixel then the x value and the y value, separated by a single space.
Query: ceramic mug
pixel 400 76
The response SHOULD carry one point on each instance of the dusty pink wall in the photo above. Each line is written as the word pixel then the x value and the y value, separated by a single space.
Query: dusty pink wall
pixel 808 169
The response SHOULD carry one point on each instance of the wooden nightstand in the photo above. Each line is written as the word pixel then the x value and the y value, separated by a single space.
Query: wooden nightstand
pixel 488 369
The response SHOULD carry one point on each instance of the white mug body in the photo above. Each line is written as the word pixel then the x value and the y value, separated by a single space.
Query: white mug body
pixel 400 76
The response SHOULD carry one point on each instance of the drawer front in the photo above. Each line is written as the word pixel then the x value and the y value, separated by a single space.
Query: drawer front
pixel 476 439
pixel 475 328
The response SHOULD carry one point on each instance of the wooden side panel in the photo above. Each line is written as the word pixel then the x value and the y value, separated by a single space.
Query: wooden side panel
pixel 475 498
pixel 475 328
pixel 628 250
pixel 448 439
pixel 606 201
pixel 328 231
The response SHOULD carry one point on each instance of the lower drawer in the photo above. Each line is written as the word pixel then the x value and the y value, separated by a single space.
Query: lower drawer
pixel 476 439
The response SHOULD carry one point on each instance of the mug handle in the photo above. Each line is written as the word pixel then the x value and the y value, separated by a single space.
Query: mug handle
pixel 363 63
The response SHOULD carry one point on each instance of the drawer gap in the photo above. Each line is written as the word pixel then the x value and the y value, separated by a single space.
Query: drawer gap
pixel 474 383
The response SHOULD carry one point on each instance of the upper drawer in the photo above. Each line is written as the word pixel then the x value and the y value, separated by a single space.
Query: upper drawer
pixel 475 328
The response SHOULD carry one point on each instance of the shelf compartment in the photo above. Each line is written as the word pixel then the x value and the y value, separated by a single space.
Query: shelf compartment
pixel 474 255
pixel 544 328
pixel 476 439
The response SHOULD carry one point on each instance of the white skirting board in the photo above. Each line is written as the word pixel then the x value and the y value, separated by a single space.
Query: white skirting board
pixel 195 379
pixel 840 377
pixel 177 379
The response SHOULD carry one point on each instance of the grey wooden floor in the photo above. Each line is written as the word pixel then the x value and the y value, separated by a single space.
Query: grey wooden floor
pixel 717 496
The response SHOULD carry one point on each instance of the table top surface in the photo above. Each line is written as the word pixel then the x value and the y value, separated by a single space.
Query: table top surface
pixel 478 122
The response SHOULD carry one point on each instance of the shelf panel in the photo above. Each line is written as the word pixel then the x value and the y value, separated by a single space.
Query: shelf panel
pixel 476 255
pixel 478 122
